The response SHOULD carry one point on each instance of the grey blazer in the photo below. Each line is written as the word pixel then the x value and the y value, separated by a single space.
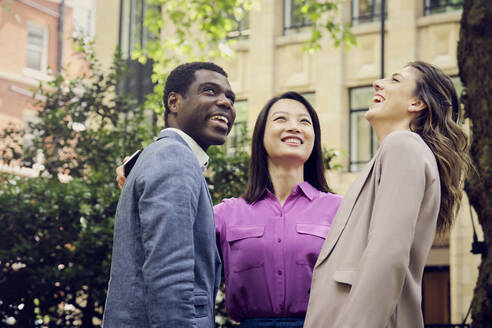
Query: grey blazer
pixel 165 268
pixel 370 268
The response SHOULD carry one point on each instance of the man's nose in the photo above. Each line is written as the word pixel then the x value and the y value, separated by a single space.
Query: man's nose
pixel 226 102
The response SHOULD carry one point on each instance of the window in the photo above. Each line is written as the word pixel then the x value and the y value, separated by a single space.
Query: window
pixel 363 142
pixel 240 125
pixel 441 6
pixel 83 18
pixel 311 97
pixel 367 11
pixel 37 47
pixel 240 29
pixel 134 35
pixel 294 20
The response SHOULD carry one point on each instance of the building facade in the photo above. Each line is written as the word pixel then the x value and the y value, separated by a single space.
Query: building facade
pixel 36 43
pixel 269 60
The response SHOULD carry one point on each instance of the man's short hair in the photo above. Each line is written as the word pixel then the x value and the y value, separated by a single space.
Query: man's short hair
pixel 180 79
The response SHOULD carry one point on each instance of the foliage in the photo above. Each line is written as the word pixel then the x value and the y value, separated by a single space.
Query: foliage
pixel 56 238
pixel 198 29
pixel 55 242
pixel 82 124
pixel 323 15
pixel 475 65
pixel 7 6
pixel 329 156
pixel 222 319
pixel 228 170
pixel 193 29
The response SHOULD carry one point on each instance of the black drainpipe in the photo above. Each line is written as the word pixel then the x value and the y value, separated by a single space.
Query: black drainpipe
pixel 61 19
pixel 382 37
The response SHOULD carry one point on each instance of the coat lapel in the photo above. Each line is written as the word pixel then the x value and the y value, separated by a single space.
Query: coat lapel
pixel 344 212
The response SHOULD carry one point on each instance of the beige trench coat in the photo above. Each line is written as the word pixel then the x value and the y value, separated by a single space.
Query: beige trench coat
pixel 370 268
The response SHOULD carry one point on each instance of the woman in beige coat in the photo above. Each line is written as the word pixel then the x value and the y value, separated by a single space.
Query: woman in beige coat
pixel 370 269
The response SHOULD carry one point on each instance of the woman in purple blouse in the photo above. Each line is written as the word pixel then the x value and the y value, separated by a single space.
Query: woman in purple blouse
pixel 271 236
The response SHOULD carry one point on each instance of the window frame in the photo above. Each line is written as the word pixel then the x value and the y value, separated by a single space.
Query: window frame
pixel 243 29
pixel 355 21
pixel 132 31
pixel 83 22
pixel 310 97
pixel 373 147
pixel 134 35
pixel 42 49
pixel 232 142
pixel 288 15
pixel 429 10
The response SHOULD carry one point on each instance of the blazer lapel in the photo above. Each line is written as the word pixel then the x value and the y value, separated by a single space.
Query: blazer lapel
pixel 343 213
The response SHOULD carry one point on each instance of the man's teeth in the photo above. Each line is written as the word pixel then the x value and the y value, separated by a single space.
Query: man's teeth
pixel 220 118
pixel 377 98
pixel 293 140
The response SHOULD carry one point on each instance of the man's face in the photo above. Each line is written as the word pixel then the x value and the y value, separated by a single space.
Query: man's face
pixel 206 112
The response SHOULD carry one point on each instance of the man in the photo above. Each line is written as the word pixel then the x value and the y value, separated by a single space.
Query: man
pixel 165 268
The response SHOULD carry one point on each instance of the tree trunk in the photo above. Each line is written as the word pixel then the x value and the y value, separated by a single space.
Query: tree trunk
pixel 475 65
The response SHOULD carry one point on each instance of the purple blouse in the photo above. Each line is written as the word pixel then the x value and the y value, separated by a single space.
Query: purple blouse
pixel 269 250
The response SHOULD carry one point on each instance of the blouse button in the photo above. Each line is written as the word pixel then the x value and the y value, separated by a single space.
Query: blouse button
pixel 279 272
pixel 279 240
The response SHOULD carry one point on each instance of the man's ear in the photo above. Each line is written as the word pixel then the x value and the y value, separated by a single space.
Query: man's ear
pixel 173 102
pixel 416 105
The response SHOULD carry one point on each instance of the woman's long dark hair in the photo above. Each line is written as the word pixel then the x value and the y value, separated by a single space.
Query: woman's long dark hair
pixel 258 177
pixel 437 127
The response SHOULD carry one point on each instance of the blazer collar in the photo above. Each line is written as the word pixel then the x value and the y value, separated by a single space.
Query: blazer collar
pixel 177 134
pixel 344 212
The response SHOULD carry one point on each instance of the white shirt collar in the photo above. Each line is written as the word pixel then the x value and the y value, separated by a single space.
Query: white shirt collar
pixel 198 151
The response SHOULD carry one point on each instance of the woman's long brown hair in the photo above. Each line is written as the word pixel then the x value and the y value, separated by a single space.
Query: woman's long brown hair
pixel 438 127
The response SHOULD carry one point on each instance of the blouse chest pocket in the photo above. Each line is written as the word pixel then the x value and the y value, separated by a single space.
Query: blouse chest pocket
pixel 311 237
pixel 245 246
